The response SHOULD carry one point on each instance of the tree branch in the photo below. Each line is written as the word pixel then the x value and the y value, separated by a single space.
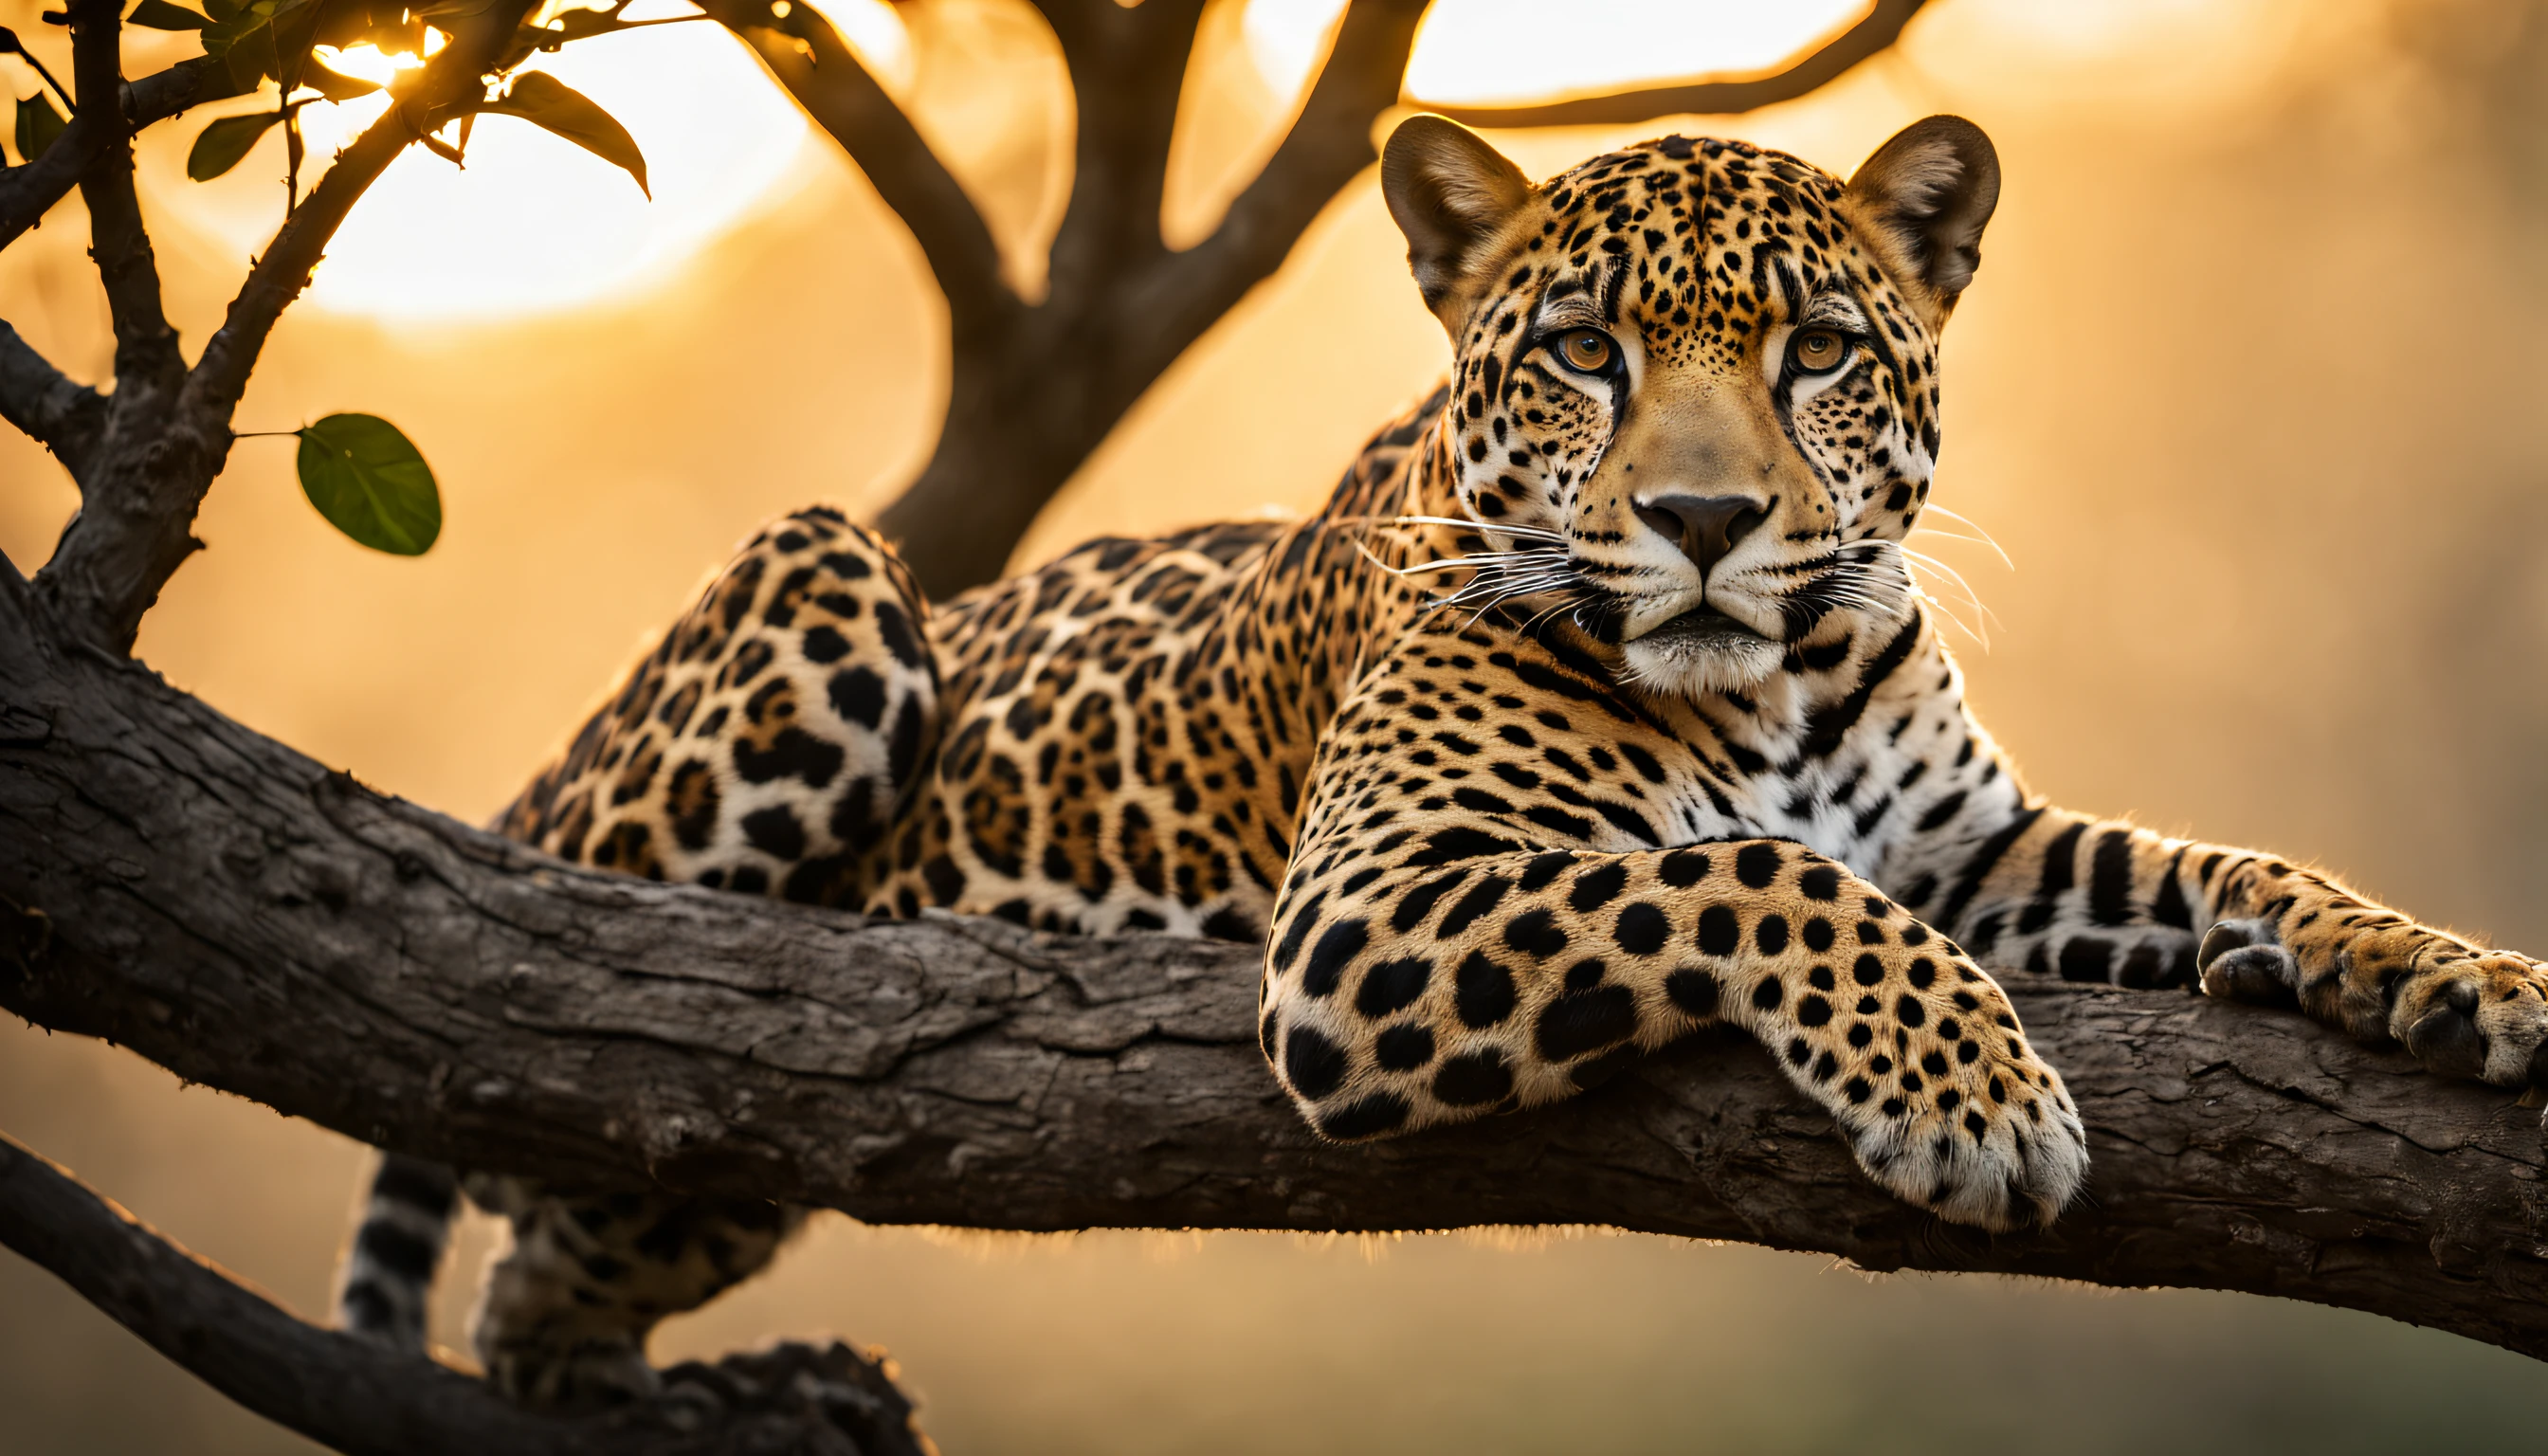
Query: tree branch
pixel 30 190
pixel 1706 95
pixel 450 78
pixel 818 68
pixel 364 1397
pixel 134 528
pixel 1024 412
pixel 48 406
pixel 1127 69
pixel 231 910
pixel 1328 146
pixel 147 366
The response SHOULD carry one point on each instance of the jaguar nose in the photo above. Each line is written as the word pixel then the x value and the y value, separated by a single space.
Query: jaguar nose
pixel 1704 527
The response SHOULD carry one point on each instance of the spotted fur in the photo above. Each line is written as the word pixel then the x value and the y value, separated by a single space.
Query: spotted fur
pixel 1595 707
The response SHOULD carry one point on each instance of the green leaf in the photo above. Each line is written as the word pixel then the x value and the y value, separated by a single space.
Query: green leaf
pixel 38 124
pixel 264 37
pixel 226 31
pixel 335 85
pixel 159 14
pixel 370 482
pixel 220 10
pixel 545 100
pixel 224 144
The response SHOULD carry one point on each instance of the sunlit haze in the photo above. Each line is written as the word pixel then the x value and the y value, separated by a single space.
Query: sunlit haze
pixel 535 222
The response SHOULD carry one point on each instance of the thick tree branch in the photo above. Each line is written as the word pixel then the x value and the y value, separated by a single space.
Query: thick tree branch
pixel 134 527
pixel 51 409
pixel 1707 95
pixel 1128 68
pixel 363 1398
pixel 230 909
pixel 818 68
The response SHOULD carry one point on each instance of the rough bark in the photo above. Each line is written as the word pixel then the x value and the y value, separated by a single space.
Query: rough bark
pixel 364 1398
pixel 172 881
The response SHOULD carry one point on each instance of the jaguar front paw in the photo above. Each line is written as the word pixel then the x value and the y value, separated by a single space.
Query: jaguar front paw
pixel 2462 1012
pixel 1999 1146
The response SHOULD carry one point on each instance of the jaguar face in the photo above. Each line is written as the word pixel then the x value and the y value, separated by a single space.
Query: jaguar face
pixel 1695 395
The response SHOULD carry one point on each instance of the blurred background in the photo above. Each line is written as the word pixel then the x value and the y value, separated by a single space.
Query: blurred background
pixel 2248 388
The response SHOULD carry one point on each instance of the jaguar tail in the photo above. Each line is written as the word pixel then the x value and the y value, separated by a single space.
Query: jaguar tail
pixel 387 1276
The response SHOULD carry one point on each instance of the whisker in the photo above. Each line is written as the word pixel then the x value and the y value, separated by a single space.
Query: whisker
pixel 1502 590
pixel 1493 560
pixel 1535 532
pixel 1934 509
pixel 1948 616
pixel 1933 564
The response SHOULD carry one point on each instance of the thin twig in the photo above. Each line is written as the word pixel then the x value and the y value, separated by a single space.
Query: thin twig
pixel 1879 29
pixel 46 76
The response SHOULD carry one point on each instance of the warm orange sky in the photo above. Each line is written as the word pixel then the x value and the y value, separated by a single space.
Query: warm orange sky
pixel 2244 387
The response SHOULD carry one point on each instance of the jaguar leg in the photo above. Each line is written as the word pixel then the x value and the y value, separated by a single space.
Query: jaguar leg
pixel 1434 983
pixel 563 1320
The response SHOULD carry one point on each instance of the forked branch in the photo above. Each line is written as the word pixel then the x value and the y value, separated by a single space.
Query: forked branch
pixel 172 425
pixel 30 190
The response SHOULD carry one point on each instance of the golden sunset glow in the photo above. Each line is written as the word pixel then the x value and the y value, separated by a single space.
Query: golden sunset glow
pixel 535 222
pixel 2295 604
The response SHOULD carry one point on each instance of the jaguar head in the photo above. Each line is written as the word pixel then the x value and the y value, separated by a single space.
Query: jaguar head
pixel 1694 394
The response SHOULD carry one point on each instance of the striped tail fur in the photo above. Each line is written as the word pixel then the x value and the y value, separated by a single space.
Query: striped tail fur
pixel 387 1277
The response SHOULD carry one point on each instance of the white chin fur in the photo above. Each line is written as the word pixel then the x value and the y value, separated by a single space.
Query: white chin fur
pixel 1693 668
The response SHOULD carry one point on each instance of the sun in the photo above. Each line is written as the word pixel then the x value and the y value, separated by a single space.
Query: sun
pixel 533 222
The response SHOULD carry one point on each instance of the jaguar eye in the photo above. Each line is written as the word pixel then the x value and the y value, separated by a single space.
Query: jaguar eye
pixel 1817 350
pixel 1586 350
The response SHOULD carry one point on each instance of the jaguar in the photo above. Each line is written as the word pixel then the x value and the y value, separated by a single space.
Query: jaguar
pixel 1596 706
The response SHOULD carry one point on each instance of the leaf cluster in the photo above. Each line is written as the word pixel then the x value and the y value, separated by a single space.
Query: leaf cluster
pixel 361 474
pixel 262 40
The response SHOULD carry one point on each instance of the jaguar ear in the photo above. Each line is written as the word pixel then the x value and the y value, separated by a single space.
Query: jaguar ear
pixel 1450 193
pixel 1925 196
